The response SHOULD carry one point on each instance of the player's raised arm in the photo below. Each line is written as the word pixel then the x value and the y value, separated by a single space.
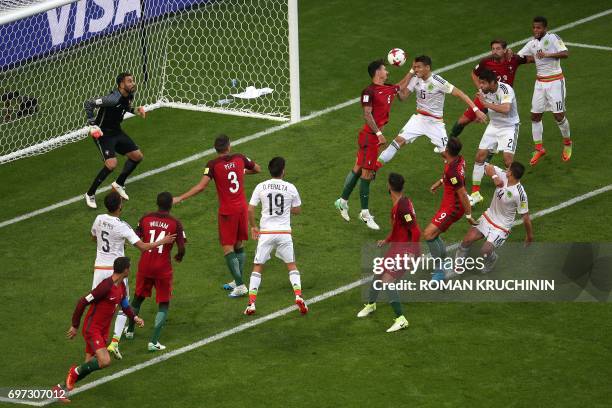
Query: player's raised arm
pixel 465 202
pixel 480 115
pixel 404 92
pixel 197 189
pixel 501 108
pixel 493 172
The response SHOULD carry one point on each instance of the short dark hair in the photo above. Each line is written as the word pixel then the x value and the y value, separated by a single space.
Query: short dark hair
pixel 499 41
pixel 121 264
pixel 374 66
pixel 396 182
pixel 222 143
pixel 517 170
pixel 112 201
pixel 122 76
pixel 276 166
pixel 541 19
pixel 487 75
pixel 424 59
pixel 454 146
pixel 164 201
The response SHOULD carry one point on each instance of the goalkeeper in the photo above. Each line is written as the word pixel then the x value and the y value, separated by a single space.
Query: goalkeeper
pixel 105 129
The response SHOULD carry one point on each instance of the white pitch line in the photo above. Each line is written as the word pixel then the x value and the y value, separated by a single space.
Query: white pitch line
pixel 274 129
pixel 595 47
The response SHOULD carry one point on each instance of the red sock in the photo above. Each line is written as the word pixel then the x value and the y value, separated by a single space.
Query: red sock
pixel 567 141
pixel 298 292
pixel 539 146
pixel 475 189
pixel 252 298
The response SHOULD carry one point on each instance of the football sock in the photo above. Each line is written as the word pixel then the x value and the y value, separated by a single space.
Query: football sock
pixel 234 267
pixel 98 180
pixel 489 157
pixel 136 303
pixel 461 252
pixel 120 321
pixel 349 184
pixel 364 193
pixel 389 152
pixel 456 130
pixel 477 174
pixel 128 168
pixel 564 127
pixel 241 258
pixel 373 292
pixel 394 302
pixel 294 278
pixel 160 319
pixel 537 129
pixel 87 368
pixel 437 247
pixel 254 283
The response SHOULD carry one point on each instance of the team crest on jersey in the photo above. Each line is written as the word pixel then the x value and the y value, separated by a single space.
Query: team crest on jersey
pixel 430 87
pixel 509 194
pixel 546 42
pixel 454 180
pixel 408 217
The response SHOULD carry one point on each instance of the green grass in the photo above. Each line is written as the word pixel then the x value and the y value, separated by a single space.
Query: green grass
pixel 509 354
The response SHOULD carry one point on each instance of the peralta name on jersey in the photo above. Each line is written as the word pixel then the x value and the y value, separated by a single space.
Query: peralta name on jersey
pixel 273 186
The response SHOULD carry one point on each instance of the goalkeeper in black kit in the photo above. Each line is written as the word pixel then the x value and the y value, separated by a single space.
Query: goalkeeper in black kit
pixel 110 139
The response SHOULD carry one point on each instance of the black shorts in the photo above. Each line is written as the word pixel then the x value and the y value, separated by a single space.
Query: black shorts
pixel 113 142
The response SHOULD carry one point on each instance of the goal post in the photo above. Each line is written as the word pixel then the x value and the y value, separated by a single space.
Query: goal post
pixel 238 57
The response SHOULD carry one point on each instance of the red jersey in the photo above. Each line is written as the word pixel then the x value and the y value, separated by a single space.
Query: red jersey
pixel 102 301
pixel 156 262
pixel 379 97
pixel 453 179
pixel 504 69
pixel 228 173
pixel 403 219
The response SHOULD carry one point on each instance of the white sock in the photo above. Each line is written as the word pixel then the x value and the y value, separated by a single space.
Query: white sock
pixel 365 213
pixel 389 152
pixel 254 283
pixel 294 278
pixel 564 127
pixel 477 173
pixel 119 324
pixel 537 129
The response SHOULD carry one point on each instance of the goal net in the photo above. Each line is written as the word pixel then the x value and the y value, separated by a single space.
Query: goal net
pixel 227 56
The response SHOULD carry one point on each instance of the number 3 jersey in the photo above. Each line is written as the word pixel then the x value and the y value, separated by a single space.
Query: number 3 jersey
pixel 277 197
pixel 111 234
pixel 228 173
pixel 156 262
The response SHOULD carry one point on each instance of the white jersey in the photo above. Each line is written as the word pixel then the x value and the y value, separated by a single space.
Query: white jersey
pixel 430 94
pixel 277 197
pixel 504 94
pixel 507 201
pixel 111 233
pixel 549 43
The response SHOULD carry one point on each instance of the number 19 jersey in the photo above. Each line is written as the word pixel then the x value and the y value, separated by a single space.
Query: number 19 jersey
pixel 111 233
pixel 228 173
pixel 277 197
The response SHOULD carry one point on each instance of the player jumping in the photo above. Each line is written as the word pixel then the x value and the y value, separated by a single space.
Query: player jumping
pixel 549 90
pixel 279 200
pixel 430 90
pixel 376 101
pixel 155 266
pixel 403 239
pixel 228 171
pixel 110 139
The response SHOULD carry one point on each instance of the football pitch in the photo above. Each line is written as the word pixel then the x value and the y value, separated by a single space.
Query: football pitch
pixel 469 354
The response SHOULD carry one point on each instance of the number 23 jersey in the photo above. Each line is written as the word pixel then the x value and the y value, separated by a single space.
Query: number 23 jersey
pixel 228 173
pixel 277 197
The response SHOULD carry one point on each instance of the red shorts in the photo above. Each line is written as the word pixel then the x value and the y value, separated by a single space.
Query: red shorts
pixel 470 114
pixel 94 340
pixel 368 150
pixel 163 287
pixel 233 228
pixel 412 249
pixel 447 216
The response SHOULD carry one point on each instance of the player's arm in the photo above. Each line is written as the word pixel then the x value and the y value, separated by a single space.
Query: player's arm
pixel 436 185
pixel 480 115
pixel 465 202
pixel 96 293
pixel 253 222
pixel 404 92
pixel 501 108
pixel 369 119
pixel 146 246
pixel 197 189
pixel 296 203
pixel 102 102
pixel 256 169
pixel 181 239
pixel 493 172
pixel 559 55
pixel 129 312
pixel 475 79
pixel 528 229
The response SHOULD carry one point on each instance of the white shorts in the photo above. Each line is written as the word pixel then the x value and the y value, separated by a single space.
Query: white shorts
pixel 548 96
pixel 421 125
pixel 491 233
pixel 500 139
pixel 101 274
pixel 268 242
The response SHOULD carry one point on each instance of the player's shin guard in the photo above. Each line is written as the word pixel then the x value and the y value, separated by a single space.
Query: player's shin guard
pixel 294 278
pixel 136 303
pixel 395 302
pixel 364 193
pixel 477 174
pixel 241 259
pixel 233 264
pixel 160 319
pixel 437 248
pixel 254 283
pixel 349 184
pixel 373 292
pixel 537 130
pixel 102 174
pixel 564 127
pixel 120 321
pixel 456 130
pixel 128 168
pixel 389 152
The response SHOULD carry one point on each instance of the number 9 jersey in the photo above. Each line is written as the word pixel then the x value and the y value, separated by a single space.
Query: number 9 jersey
pixel 277 197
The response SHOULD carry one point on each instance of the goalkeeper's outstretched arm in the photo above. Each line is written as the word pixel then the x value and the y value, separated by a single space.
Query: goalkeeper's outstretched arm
pixel 107 101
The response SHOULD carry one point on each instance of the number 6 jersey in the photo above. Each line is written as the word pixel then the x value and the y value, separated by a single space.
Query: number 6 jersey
pixel 277 197
pixel 111 233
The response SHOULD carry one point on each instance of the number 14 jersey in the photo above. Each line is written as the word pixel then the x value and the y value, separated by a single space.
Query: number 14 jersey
pixel 277 197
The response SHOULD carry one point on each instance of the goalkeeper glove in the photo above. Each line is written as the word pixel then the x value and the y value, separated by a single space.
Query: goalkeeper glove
pixel 95 131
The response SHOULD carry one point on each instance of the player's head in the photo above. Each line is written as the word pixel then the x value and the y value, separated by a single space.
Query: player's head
pixel 487 81
pixel 122 265
pixel 222 144
pixel 539 26
pixel 164 201
pixel 113 202
pixel 396 182
pixel 125 81
pixel 277 167
pixel 377 70
pixel 422 66
pixel 516 171
pixel 498 48
pixel 453 147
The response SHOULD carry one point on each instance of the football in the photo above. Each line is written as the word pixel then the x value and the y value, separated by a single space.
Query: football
pixel 396 57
